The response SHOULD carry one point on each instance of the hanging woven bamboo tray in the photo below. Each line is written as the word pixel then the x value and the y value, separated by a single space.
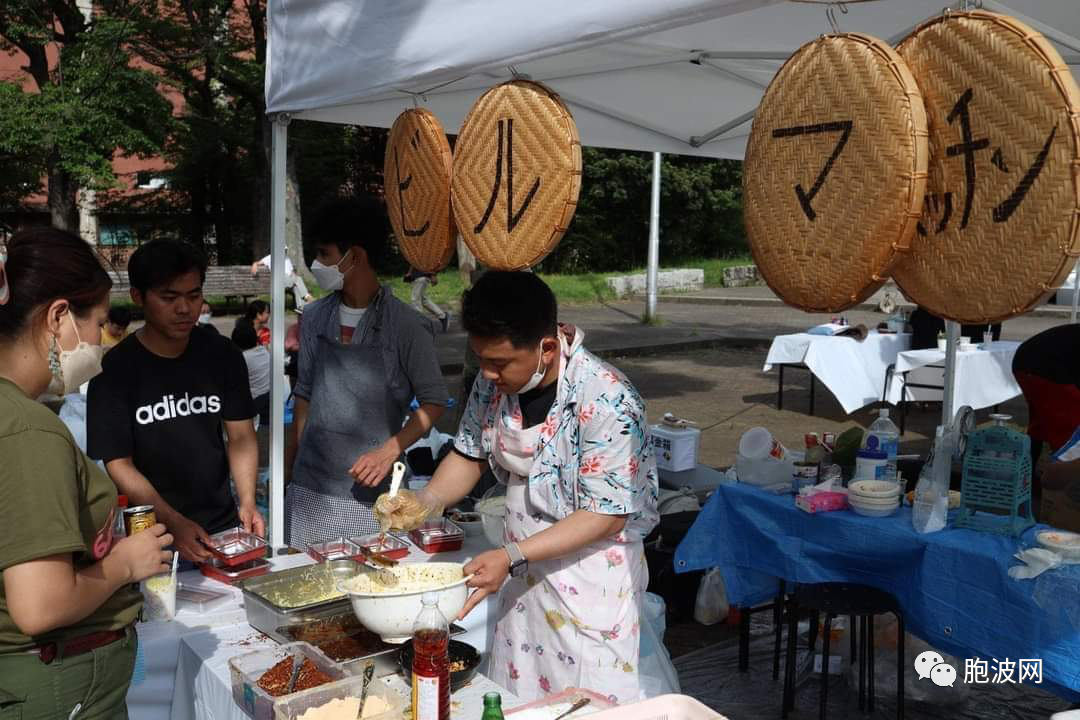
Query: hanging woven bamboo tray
pixel 416 173
pixel 835 172
pixel 517 175
pixel 1001 223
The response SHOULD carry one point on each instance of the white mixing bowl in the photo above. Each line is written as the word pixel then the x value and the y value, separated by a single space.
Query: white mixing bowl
pixel 390 610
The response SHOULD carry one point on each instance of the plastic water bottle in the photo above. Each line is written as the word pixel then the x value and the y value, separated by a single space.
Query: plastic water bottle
pixel 884 436
pixel 931 503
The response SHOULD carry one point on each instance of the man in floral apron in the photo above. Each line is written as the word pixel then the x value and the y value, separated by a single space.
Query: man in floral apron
pixel 567 435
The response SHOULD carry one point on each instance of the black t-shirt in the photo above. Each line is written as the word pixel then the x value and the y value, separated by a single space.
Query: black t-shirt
pixel 166 414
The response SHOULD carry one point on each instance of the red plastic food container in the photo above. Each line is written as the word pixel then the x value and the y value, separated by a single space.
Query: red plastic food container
pixel 229 574
pixel 337 549
pixel 236 546
pixel 436 536
pixel 391 546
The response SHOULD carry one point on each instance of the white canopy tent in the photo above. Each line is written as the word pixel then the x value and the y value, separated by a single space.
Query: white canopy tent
pixel 676 76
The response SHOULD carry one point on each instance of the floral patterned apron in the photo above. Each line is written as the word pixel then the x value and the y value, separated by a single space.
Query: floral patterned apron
pixel 572 621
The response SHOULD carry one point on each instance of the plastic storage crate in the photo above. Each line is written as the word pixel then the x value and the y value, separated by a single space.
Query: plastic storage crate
pixel 996 485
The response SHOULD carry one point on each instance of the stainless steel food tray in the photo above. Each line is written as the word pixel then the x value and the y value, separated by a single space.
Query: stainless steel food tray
pixel 267 616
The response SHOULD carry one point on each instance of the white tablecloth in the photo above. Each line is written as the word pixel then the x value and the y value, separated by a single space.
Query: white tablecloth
pixel 853 371
pixel 186 660
pixel 984 378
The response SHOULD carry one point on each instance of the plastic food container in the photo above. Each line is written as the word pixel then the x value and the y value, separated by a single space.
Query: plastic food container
pixel 159 597
pixel 293 706
pixel 245 671
pixel 199 599
pixel 391 546
pixel 436 536
pixel 296 595
pixel 663 707
pixel 217 570
pixel 337 549
pixel 237 546
pixel 554 705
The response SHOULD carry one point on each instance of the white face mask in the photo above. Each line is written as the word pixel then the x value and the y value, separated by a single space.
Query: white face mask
pixel 329 277
pixel 77 366
pixel 204 319
pixel 538 376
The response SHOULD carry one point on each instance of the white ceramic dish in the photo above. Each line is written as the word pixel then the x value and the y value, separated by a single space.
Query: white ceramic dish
pixel 872 511
pixel 473 525
pixel 391 610
pixel 874 489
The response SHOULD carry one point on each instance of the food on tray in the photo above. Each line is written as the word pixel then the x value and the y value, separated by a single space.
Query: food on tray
pixel 307 590
pixel 346 709
pixel 411 578
pixel 275 681
pixel 458 666
pixel 341 638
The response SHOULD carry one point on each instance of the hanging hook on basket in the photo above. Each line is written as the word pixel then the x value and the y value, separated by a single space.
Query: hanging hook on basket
pixel 517 75
pixel 830 15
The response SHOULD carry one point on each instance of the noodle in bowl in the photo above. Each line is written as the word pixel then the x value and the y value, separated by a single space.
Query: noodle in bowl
pixel 390 609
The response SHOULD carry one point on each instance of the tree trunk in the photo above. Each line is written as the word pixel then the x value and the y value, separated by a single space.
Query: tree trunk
pixel 63 196
pixel 260 222
pixel 294 236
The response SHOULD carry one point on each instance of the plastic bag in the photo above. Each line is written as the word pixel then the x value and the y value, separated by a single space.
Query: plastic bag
pixel 915 688
pixel 656 672
pixel 711 605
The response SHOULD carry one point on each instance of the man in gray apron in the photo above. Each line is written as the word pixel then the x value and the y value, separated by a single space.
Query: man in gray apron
pixel 363 356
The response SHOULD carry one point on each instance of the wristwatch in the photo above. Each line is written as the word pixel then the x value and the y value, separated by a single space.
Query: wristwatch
pixel 518 564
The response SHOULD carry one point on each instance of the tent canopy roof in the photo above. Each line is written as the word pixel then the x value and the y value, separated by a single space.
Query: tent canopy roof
pixel 678 76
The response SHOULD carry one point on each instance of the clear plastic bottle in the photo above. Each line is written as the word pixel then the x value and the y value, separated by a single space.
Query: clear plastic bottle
pixel 431 662
pixel 931 505
pixel 884 436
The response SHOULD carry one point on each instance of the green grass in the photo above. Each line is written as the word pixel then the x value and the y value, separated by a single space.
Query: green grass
pixel 578 289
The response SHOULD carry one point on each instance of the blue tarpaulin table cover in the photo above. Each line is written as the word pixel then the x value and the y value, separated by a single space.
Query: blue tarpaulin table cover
pixel 953 585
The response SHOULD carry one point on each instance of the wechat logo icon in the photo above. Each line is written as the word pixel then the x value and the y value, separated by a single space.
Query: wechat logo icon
pixel 931 665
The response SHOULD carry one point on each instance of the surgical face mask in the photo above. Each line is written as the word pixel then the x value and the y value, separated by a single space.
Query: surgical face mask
pixel 204 319
pixel 329 277
pixel 77 366
pixel 538 376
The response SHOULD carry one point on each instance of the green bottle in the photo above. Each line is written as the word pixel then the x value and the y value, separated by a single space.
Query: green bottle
pixel 492 707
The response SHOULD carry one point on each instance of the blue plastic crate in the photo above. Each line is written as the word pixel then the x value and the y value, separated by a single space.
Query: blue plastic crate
pixel 996 485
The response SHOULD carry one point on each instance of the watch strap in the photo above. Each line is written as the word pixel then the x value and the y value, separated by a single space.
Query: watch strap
pixel 516 556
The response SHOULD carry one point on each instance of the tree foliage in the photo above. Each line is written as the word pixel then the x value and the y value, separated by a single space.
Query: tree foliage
pixel 71 116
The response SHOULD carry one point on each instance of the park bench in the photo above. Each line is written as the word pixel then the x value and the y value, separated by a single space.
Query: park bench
pixel 227 281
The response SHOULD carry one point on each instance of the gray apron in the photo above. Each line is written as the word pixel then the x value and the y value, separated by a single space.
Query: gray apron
pixel 351 412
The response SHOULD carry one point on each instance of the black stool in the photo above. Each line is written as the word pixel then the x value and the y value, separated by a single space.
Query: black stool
pixel 860 602
pixel 777 607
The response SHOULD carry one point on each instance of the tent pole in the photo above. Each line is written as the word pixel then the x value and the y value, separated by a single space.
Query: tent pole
pixel 1076 292
pixel 654 241
pixel 952 339
pixel 279 141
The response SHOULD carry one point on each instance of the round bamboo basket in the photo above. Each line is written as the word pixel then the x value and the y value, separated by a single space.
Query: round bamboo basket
pixel 835 172
pixel 517 175
pixel 416 172
pixel 1001 223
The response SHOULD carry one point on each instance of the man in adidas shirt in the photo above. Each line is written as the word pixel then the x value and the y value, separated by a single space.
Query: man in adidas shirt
pixel 155 415
pixel 364 355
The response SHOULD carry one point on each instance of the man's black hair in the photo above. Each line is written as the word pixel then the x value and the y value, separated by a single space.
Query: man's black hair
pixel 359 221
pixel 158 262
pixel 516 305
pixel 244 336
pixel 120 315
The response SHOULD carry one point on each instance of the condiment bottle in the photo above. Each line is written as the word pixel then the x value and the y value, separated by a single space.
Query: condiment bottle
pixel 492 707
pixel 431 662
